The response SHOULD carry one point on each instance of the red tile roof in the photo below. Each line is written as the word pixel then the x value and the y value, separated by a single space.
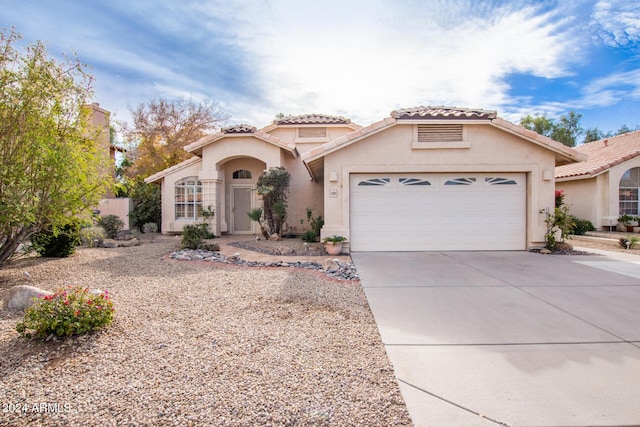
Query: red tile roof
pixel 241 128
pixel 602 155
pixel 443 112
pixel 312 119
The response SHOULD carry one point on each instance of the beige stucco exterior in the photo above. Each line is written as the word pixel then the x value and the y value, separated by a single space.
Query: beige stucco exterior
pixel 595 198
pixel 489 150
pixel 320 166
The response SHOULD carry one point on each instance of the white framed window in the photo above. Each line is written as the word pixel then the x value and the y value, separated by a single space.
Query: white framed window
pixel 188 198
pixel 628 192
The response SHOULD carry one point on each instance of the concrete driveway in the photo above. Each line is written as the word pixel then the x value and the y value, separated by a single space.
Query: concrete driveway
pixel 509 338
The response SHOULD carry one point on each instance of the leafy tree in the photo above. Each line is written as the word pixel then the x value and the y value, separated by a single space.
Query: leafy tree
pixel 273 186
pixel 147 206
pixel 51 166
pixel 595 134
pixel 160 130
pixel 566 129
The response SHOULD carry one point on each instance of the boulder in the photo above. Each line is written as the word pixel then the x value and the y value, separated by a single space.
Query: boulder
pixel 275 237
pixel 564 246
pixel 129 243
pixel 545 251
pixel 21 297
pixel 109 243
pixel 330 265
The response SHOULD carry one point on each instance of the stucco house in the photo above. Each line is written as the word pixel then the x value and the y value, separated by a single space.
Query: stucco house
pixel 605 185
pixel 425 178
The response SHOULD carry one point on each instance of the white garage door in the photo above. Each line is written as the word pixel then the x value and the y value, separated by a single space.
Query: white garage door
pixel 433 212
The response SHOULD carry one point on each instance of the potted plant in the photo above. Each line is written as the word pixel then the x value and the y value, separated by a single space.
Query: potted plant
pixel 626 220
pixel 333 244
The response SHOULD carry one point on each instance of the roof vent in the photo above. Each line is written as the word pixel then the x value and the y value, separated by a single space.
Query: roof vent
pixel 440 133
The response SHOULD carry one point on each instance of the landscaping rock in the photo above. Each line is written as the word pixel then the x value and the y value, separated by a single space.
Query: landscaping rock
pixel 330 265
pixel 564 246
pixel 275 237
pixel 545 251
pixel 20 297
pixel 129 243
pixel 109 243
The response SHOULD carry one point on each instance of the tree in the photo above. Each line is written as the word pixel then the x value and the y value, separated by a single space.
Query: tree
pixel 566 130
pixel 595 134
pixel 52 166
pixel 161 128
pixel 273 186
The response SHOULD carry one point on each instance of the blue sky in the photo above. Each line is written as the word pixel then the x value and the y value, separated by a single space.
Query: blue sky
pixel 361 59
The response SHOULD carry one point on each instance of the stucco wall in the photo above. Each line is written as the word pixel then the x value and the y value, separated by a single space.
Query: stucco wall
pixel 582 198
pixel 120 207
pixel 490 150
pixel 169 222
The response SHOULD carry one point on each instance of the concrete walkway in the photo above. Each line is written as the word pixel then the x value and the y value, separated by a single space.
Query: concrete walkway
pixel 509 338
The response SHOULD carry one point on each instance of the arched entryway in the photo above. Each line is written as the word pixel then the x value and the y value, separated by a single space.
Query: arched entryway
pixel 240 177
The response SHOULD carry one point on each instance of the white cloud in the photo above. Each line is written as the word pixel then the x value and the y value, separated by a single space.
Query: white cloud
pixel 617 22
pixel 364 59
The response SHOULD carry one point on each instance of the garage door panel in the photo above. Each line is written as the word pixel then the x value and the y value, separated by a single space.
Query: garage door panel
pixel 477 212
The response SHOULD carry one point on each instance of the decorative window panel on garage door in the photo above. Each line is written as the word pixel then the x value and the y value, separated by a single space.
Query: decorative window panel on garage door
pixel 423 212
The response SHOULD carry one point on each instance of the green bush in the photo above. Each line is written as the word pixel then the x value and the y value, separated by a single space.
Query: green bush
pixel 581 226
pixel 310 236
pixel 91 235
pixel 58 243
pixel 69 311
pixel 111 224
pixel 194 234
pixel 150 227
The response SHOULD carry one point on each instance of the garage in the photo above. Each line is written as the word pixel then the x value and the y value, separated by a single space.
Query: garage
pixel 437 212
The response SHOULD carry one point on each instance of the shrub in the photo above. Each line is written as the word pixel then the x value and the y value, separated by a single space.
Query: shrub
pixel 193 234
pixel 69 311
pixel 150 227
pixel 581 226
pixel 92 235
pixel 59 243
pixel 310 236
pixel 316 224
pixel 111 224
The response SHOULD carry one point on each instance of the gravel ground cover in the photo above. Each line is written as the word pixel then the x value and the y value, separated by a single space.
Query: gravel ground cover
pixel 197 343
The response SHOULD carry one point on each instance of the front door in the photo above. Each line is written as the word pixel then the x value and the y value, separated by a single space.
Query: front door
pixel 241 205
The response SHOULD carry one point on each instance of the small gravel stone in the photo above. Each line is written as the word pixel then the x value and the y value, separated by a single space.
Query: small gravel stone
pixel 200 344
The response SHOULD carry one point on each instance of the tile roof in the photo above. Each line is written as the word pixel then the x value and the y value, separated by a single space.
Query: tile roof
pixel 312 119
pixel 602 155
pixel 159 175
pixel 443 112
pixel 241 128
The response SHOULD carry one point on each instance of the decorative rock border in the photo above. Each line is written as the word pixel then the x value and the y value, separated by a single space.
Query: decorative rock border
pixel 343 271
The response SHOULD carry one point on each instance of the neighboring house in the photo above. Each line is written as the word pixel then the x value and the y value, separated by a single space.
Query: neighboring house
pixel 97 121
pixel 606 184
pixel 426 178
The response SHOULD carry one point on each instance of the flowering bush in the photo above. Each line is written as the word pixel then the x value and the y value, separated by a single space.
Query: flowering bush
pixel 69 311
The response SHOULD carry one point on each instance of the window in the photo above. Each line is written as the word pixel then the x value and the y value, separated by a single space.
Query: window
pixel 414 181
pixel 500 181
pixel 628 192
pixel 188 200
pixel 242 174
pixel 461 181
pixel 374 182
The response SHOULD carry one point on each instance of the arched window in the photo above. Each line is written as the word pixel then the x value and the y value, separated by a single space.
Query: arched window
pixel 628 192
pixel 242 174
pixel 188 201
